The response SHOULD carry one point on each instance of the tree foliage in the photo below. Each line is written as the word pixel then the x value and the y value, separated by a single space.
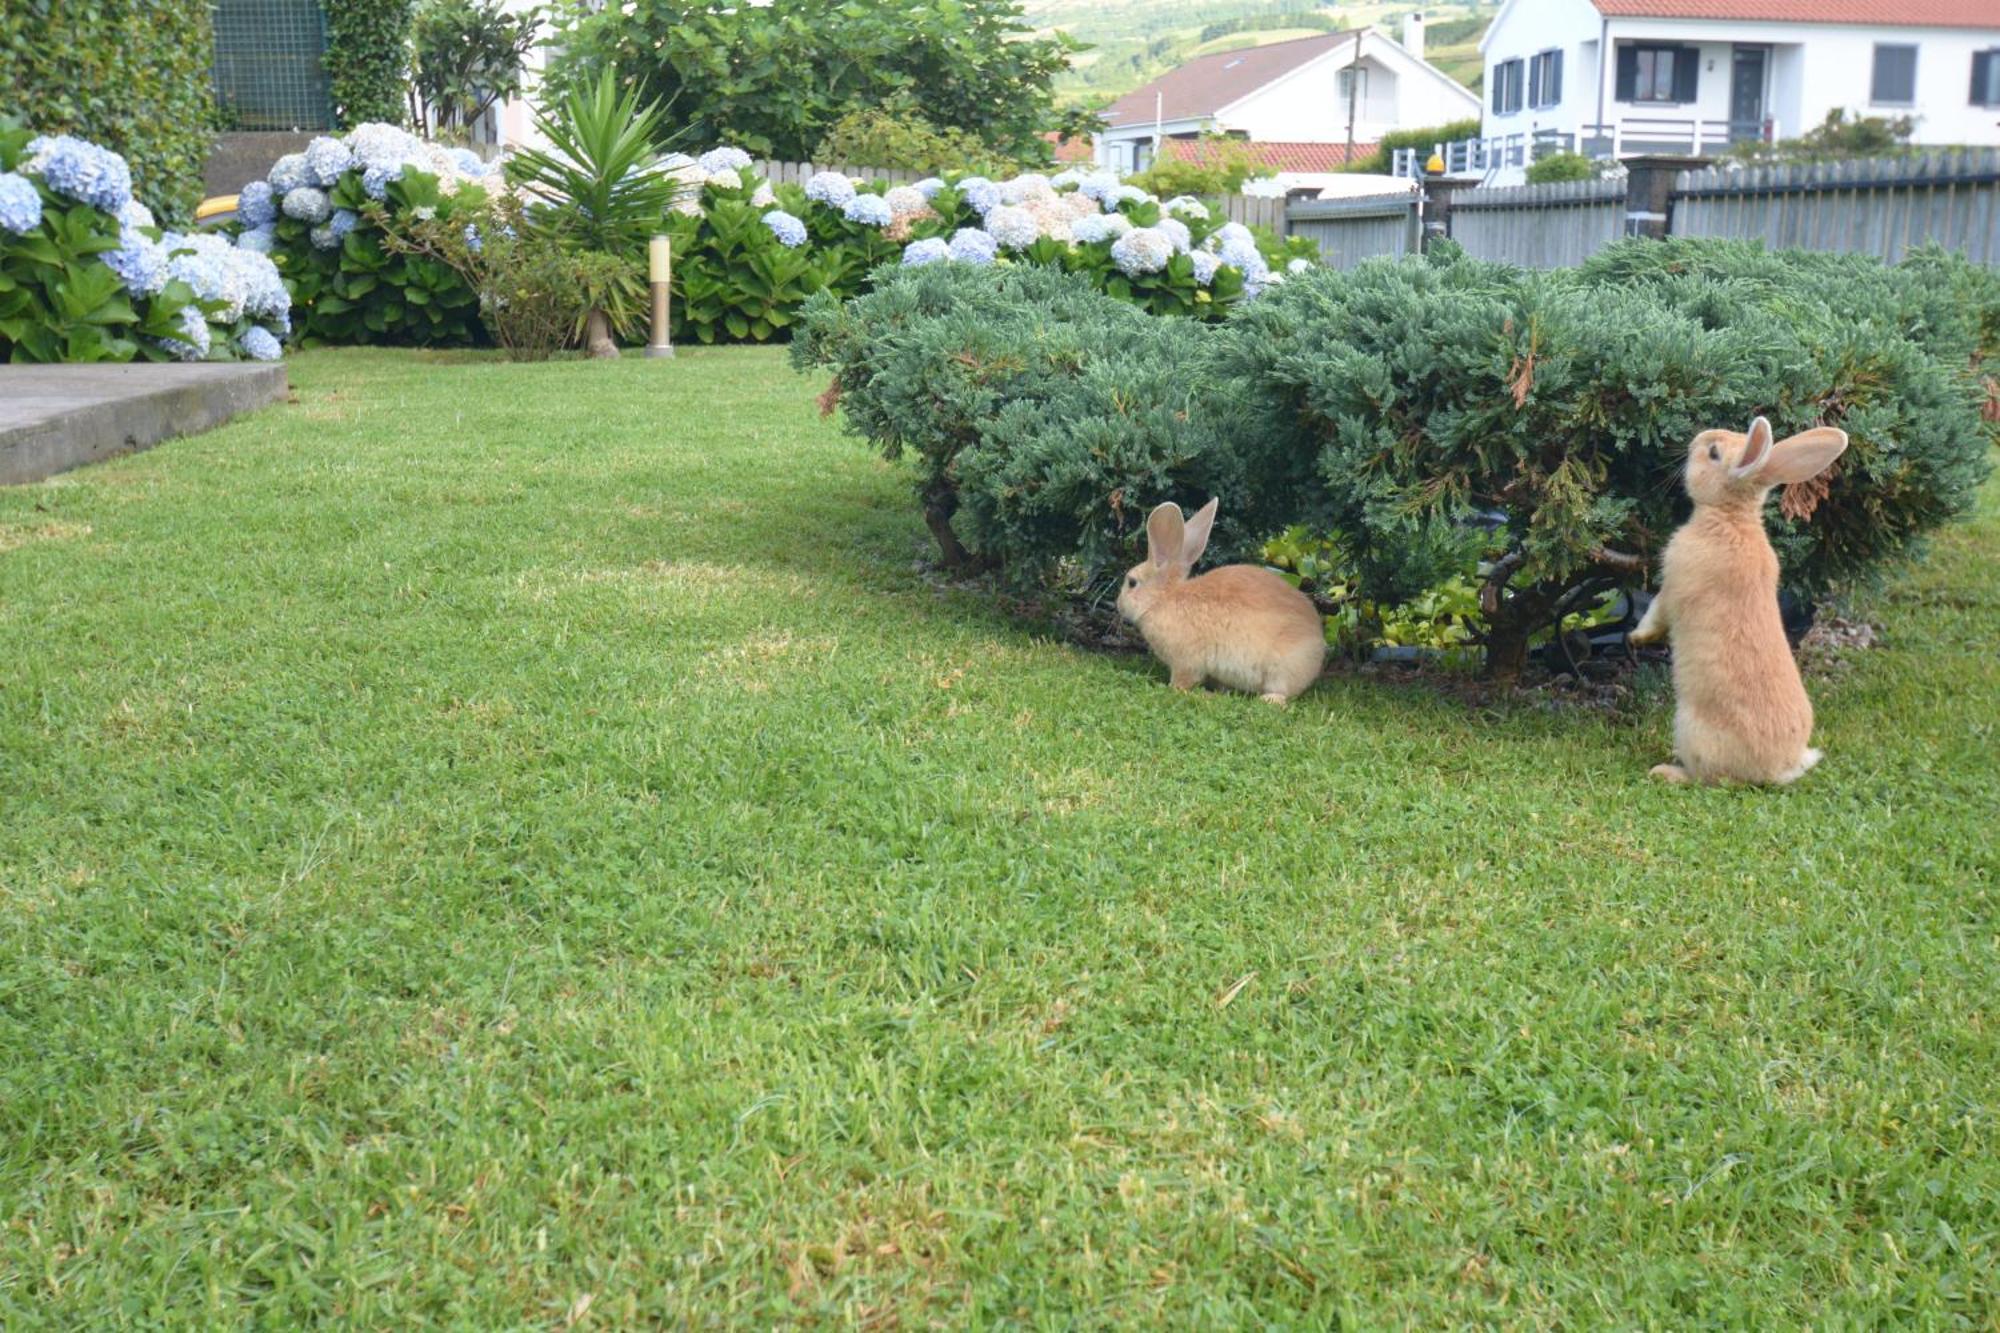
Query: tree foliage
pixel 367 54
pixel 132 75
pixel 903 137
pixel 1225 165
pixel 773 79
pixel 465 55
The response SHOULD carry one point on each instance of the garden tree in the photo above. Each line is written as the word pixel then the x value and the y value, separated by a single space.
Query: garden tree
pixel 602 195
pixel 1836 138
pixel 1225 165
pixel 367 52
pixel 774 78
pixel 465 55
pixel 132 75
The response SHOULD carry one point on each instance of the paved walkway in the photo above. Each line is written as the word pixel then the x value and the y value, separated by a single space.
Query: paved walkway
pixel 53 418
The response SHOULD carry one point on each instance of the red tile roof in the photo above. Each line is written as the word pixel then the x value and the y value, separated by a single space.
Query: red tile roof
pixel 1207 84
pixel 1071 151
pixel 1872 13
pixel 1302 157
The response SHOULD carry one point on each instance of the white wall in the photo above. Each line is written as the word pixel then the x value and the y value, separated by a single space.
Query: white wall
pixel 1306 106
pixel 1814 68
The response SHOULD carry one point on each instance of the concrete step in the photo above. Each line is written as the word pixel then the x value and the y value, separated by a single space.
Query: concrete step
pixel 54 418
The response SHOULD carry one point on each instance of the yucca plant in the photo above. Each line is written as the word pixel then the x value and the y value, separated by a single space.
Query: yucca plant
pixel 603 192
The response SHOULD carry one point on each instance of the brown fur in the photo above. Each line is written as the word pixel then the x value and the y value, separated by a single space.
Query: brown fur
pixel 1741 712
pixel 1239 625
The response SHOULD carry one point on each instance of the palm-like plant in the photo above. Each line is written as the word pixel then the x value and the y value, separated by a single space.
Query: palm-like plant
pixel 604 191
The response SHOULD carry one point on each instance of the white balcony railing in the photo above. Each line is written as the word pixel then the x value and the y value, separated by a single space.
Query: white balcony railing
pixel 1631 137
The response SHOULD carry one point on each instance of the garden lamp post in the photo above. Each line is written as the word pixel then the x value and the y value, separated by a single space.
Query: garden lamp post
pixel 660 270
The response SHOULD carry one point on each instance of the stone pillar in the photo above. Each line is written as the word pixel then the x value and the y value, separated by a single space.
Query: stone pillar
pixel 1438 191
pixel 1649 187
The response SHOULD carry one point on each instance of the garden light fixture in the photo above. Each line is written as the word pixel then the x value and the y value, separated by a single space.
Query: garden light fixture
pixel 660 269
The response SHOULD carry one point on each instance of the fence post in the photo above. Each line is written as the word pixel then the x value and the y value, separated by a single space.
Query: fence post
pixel 1437 191
pixel 1649 190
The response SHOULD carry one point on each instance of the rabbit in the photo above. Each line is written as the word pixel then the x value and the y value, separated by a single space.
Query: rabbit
pixel 1741 712
pixel 1239 625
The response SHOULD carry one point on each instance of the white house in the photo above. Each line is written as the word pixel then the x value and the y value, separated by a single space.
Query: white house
pixel 1288 92
pixel 1615 78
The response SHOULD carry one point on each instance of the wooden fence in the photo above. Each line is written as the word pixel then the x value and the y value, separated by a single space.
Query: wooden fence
pixel 798 173
pixel 1539 226
pixel 1882 208
pixel 1348 231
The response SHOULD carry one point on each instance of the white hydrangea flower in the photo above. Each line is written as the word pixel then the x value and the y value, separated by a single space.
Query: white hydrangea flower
pixel 1099 227
pixel 1299 266
pixel 1205 265
pixel 765 197
pixel 1142 250
pixel 1177 232
pixel 830 188
pixel 1025 188
pixel 1186 206
pixel 1013 228
pixel 906 199
pixel 928 187
pixel 717 160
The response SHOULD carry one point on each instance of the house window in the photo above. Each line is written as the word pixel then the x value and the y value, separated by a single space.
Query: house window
pixel 1895 81
pixel 1986 77
pixel 1657 74
pixel 1506 87
pixel 1545 80
pixel 1344 88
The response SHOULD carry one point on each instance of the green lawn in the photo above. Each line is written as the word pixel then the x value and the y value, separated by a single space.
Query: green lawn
pixel 506 845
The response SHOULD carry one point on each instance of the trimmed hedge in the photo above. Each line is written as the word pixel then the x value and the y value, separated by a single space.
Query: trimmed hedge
pixel 132 75
pixel 1408 404
pixel 367 60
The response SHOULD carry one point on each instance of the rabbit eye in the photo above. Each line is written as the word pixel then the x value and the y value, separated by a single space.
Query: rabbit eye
pixel 1714 453
pixel 1131 582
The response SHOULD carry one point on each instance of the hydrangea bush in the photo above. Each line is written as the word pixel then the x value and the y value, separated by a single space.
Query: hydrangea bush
pixel 322 214
pixel 87 275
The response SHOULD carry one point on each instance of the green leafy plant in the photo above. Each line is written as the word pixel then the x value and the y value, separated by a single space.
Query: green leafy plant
pixel 1224 167
pixel 1421 139
pixel 367 54
pixel 603 188
pixel 465 55
pixel 735 281
pixel 1838 137
pixel 1558 167
pixel 902 137
pixel 132 75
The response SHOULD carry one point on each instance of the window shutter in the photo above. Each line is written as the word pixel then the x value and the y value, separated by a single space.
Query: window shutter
pixel 1535 81
pixel 1499 83
pixel 1982 77
pixel 1628 73
pixel 1687 64
pixel 1555 88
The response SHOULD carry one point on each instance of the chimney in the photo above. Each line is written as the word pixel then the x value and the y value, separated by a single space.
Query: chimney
pixel 1413 35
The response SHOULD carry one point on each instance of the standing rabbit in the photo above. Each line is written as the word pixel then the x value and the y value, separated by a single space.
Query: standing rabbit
pixel 1239 625
pixel 1741 712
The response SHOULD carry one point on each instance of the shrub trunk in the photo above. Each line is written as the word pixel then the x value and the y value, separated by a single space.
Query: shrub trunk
pixel 597 337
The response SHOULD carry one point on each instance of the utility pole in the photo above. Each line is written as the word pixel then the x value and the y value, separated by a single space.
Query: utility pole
pixel 1353 89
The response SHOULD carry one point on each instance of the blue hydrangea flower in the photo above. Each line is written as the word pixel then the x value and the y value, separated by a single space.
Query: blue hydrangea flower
pixel 928 251
pixel 1098 185
pixel 791 232
pixel 969 245
pixel 193 342
pixel 136 214
pixel 1125 194
pixel 255 204
pixel 139 261
pixel 982 196
pixel 215 269
pixel 928 187
pixel 469 162
pixel 1068 179
pixel 1028 185
pixel 1241 252
pixel 473 241
pixel 20 204
pixel 260 345
pixel 830 188
pixel 1142 250
pixel 1013 228
pixel 265 295
pixel 326 160
pixel 871 210
pixel 1097 227
pixel 1205 265
pixel 342 221
pixel 1177 232
pixel 722 159
pixel 375 144
pixel 259 239
pixel 375 180
pixel 307 204
pixel 80 170
pixel 289 173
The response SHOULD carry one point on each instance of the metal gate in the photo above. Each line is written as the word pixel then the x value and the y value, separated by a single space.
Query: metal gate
pixel 270 65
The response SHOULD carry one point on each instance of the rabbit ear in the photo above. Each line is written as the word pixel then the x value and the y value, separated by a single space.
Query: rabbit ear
pixel 1755 447
pixel 1196 540
pixel 1803 456
pixel 1164 533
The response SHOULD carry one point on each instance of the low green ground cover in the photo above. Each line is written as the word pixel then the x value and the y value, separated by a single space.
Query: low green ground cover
pixel 502 845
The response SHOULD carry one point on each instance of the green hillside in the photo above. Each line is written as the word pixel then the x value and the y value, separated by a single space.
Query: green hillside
pixel 1134 41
